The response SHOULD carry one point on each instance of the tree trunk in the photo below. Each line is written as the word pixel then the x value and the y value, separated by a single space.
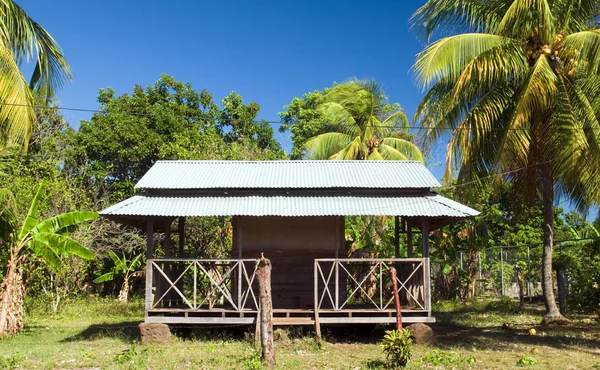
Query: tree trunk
pixel 11 300
pixel 263 274
pixel 547 187
pixel 472 272
pixel 519 273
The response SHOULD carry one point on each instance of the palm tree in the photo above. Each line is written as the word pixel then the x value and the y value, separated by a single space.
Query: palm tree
pixel 519 92
pixel 46 240
pixel 362 125
pixel 21 40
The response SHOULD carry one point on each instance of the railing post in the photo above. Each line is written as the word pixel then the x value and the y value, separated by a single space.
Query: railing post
pixel 316 304
pixel 427 282
pixel 240 266
pixel 337 284
pixel 195 283
pixel 149 295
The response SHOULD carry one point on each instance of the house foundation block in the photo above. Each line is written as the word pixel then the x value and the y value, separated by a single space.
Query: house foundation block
pixel 421 333
pixel 154 333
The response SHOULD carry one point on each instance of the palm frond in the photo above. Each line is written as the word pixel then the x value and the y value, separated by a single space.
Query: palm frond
pixel 524 16
pixel 405 147
pixel 585 45
pixel 448 57
pixel 324 145
pixel 468 15
pixel 16 114
pixel 27 40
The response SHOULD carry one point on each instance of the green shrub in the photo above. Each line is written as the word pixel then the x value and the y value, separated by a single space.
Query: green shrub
pixel 526 361
pixel 397 345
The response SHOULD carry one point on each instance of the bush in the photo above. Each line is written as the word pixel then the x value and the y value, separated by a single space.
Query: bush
pixel 397 345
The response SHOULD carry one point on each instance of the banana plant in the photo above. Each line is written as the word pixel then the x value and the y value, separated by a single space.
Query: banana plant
pixel 47 241
pixel 122 267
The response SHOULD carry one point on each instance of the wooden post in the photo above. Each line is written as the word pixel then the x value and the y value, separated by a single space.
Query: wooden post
pixel 397 236
pixel 149 255
pixel 409 239
pixel 396 299
pixel 149 239
pixel 316 303
pixel 427 266
pixel 263 273
pixel 181 230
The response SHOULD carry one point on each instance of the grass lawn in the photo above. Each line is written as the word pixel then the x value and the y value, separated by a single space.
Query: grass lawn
pixel 480 335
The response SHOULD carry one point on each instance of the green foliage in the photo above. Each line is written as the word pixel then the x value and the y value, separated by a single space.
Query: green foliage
pixel 397 346
pixel 526 361
pixel 437 357
pixel 12 362
pixel 23 40
pixel 122 266
pixel 353 120
pixel 133 357
pixel 255 360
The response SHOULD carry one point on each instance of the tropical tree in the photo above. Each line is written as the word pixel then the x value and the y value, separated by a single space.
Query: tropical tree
pixel 47 240
pixel 22 40
pixel 519 94
pixel 360 124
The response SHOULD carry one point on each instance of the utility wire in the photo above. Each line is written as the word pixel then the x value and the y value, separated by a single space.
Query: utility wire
pixel 97 111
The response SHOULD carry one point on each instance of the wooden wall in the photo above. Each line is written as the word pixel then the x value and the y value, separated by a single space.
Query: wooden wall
pixel 292 244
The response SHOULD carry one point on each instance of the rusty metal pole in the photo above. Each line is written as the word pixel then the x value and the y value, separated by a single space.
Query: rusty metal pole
pixel 393 274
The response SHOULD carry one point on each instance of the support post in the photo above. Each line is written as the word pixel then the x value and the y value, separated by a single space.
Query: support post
pixel 425 234
pixel 263 273
pixel 181 231
pixel 149 255
pixel 409 239
pixel 397 236
pixel 149 239
pixel 427 266
pixel 168 252
pixel 396 298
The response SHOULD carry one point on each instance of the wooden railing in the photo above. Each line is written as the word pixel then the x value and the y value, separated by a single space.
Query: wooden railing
pixel 343 283
pixel 179 284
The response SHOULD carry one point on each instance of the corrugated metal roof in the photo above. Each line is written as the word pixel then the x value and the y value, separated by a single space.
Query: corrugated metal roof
pixel 430 206
pixel 287 175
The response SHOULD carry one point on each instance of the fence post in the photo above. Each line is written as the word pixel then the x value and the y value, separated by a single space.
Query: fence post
pixel 461 260
pixel 479 262
pixel 502 270
pixel 263 274
pixel 528 275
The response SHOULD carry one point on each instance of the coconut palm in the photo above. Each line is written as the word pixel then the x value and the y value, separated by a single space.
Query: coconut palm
pixel 46 240
pixel 362 125
pixel 518 93
pixel 22 40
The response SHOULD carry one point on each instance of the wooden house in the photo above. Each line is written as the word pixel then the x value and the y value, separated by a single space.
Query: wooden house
pixel 293 212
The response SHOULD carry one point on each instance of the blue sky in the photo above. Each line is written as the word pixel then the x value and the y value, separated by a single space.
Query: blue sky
pixel 267 51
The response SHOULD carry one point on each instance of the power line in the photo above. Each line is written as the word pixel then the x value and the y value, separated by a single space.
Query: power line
pixel 272 122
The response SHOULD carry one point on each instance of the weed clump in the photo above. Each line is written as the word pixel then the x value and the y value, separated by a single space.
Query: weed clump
pixel 397 345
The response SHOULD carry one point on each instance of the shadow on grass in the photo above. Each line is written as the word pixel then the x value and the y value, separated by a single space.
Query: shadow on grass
pixel 127 331
pixel 503 337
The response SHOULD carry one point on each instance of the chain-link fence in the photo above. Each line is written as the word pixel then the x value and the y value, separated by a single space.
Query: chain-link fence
pixel 513 271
